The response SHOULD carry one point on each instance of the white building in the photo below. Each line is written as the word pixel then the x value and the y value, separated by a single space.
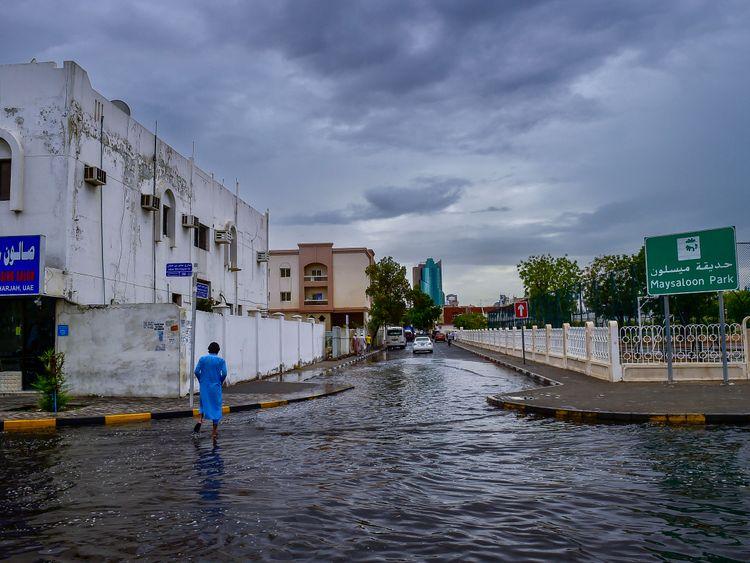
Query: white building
pixel 110 243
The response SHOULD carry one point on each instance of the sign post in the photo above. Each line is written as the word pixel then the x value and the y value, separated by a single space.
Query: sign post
pixel 183 270
pixel 723 337
pixel 521 310
pixel 693 262
pixel 668 340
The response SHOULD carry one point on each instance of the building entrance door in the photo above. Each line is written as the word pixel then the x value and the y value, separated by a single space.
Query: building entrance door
pixel 27 329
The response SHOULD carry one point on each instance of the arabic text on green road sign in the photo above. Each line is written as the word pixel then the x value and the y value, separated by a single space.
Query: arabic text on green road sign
pixel 694 262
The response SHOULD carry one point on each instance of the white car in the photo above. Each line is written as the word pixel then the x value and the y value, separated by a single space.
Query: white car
pixel 422 344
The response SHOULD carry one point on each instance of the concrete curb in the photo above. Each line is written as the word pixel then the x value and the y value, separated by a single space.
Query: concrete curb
pixel 352 361
pixel 504 402
pixel 621 417
pixel 123 418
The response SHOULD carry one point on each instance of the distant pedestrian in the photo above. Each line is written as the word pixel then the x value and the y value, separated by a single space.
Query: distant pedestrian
pixel 211 372
pixel 368 342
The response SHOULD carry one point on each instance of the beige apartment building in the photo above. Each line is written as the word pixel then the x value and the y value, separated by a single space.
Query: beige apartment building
pixel 321 281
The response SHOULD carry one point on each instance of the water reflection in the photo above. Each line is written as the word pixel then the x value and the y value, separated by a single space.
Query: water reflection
pixel 411 464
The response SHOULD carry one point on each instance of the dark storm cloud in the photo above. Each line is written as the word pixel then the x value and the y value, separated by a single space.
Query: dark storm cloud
pixel 596 122
pixel 423 196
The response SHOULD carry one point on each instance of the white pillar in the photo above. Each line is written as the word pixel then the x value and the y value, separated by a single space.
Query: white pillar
pixel 311 320
pixel 589 345
pixel 280 318
pixel 547 341
pixel 566 328
pixel 614 352
pixel 298 318
pixel 533 343
pixel 255 314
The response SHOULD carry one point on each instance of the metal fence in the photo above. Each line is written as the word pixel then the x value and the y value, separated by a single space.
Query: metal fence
pixel 743 264
pixel 690 344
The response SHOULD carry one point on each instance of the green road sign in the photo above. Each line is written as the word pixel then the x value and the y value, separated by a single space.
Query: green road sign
pixel 695 262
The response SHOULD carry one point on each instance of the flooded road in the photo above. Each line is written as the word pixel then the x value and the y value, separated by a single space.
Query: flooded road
pixel 412 464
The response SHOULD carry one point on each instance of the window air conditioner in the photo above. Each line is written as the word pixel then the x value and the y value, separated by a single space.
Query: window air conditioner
pixel 190 221
pixel 150 202
pixel 222 237
pixel 94 176
pixel 262 256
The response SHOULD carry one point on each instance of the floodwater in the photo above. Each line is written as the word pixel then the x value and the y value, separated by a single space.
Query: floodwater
pixel 410 465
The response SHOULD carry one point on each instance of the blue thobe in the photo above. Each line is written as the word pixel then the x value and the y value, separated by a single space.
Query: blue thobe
pixel 211 372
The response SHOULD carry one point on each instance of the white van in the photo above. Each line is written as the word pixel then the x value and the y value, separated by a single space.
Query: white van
pixel 395 337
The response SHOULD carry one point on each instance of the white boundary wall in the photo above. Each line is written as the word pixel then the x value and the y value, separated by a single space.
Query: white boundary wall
pixel 143 350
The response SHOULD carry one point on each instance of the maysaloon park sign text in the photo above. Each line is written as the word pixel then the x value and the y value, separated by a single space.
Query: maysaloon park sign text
pixel 694 262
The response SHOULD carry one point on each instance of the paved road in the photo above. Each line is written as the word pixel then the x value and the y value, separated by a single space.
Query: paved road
pixel 411 464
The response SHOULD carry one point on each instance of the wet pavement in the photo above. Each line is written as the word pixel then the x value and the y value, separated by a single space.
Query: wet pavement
pixel 412 464
pixel 585 393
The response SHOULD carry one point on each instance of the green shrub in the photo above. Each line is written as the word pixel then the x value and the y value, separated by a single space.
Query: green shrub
pixel 51 385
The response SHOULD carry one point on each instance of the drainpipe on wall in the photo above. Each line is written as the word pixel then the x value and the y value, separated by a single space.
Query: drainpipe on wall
pixel 153 215
pixel 101 204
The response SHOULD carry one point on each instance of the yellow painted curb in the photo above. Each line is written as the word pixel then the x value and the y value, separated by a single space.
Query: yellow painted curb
pixel 271 404
pixel 658 419
pixel 225 409
pixel 130 417
pixel 29 423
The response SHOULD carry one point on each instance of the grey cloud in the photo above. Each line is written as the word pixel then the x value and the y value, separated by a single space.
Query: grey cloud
pixel 425 195
pixel 493 209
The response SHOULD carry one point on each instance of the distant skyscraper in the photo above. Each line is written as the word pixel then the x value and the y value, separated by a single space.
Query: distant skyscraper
pixel 428 276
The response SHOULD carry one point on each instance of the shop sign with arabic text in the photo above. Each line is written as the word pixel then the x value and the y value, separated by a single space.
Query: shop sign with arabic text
pixel 693 262
pixel 22 265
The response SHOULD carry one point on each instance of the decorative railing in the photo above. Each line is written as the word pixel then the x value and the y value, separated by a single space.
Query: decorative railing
pixel 316 301
pixel 690 344
pixel 608 352
pixel 316 278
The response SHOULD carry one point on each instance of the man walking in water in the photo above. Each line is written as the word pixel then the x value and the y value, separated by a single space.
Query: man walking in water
pixel 211 372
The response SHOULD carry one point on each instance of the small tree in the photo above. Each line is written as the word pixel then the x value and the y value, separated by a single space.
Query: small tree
pixel 387 290
pixel 423 312
pixel 470 321
pixel 737 305
pixel 550 285
pixel 611 285
pixel 51 384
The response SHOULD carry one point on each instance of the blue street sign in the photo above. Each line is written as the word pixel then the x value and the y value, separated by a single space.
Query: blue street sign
pixel 22 265
pixel 201 290
pixel 62 330
pixel 179 269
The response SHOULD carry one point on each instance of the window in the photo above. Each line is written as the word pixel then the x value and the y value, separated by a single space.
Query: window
pixel 316 272
pixel 286 295
pixel 4 180
pixel 166 212
pixel 177 299
pixel 285 272
pixel 200 237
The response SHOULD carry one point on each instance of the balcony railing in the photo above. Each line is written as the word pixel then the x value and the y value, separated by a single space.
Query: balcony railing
pixel 316 301
pixel 316 278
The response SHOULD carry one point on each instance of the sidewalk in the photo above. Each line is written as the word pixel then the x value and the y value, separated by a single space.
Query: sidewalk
pixel 19 411
pixel 571 395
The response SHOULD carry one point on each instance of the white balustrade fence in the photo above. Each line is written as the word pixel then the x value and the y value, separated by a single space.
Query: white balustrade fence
pixel 690 344
pixel 628 353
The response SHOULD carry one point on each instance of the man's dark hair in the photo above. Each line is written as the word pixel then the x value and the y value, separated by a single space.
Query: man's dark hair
pixel 213 348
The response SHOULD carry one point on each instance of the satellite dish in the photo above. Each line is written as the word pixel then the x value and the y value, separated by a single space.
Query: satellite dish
pixel 125 108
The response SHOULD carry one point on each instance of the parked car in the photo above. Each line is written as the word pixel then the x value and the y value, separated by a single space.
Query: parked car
pixel 394 337
pixel 439 336
pixel 422 344
pixel 409 335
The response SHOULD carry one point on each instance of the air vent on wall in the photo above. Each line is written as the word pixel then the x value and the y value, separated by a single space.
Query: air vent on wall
pixel 190 222
pixel 94 176
pixel 150 202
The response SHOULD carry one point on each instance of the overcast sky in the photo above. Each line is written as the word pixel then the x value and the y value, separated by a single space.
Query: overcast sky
pixel 479 132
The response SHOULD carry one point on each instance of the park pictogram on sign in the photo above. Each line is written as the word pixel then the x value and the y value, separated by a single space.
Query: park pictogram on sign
pixel 521 309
